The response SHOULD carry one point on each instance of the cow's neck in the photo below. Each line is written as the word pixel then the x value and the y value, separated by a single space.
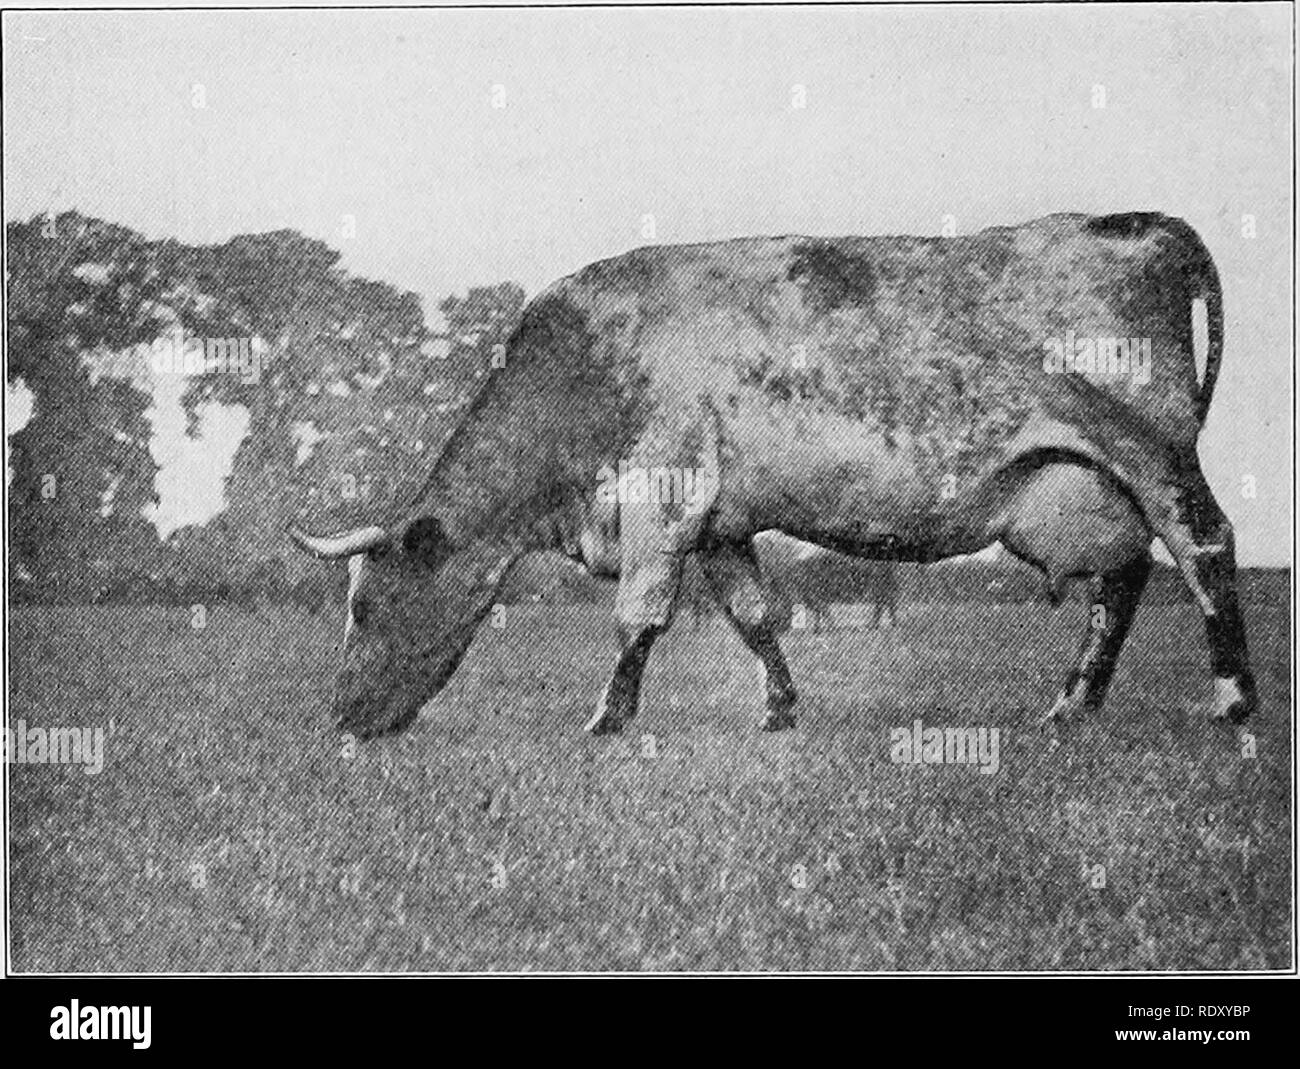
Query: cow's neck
pixel 523 465
pixel 500 481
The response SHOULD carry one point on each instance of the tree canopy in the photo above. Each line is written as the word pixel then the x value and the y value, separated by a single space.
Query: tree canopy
pixel 349 394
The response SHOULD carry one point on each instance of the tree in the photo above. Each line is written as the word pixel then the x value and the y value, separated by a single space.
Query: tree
pixel 349 397
pixel 82 470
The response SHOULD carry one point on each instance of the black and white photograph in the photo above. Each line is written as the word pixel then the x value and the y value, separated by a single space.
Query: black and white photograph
pixel 620 490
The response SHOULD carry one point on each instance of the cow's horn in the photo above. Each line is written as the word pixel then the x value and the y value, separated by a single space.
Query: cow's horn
pixel 332 547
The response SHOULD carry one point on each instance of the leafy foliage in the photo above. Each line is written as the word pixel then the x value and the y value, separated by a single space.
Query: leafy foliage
pixel 349 398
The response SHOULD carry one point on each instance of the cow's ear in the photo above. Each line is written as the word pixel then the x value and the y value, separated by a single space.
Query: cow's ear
pixel 423 538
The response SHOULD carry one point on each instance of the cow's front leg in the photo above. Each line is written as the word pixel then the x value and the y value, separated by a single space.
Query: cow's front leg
pixel 642 612
pixel 656 536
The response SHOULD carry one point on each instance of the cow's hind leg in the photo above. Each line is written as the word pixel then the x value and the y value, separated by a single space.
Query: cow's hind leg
pixel 739 588
pixel 1184 513
pixel 1169 487
pixel 1115 597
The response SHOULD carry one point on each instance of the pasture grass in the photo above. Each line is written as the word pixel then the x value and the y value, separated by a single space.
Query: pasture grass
pixel 231 828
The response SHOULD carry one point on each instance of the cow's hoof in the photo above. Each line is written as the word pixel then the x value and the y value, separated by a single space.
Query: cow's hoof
pixel 604 724
pixel 1066 708
pixel 777 720
pixel 369 728
pixel 1231 704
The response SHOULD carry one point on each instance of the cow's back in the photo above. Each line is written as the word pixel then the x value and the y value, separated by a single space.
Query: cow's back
pixel 858 381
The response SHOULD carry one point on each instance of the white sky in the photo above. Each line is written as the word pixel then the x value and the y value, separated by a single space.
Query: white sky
pixel 912 114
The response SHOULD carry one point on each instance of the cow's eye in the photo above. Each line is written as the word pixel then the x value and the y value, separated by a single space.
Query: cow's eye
pixel 360 610
pixel 424 540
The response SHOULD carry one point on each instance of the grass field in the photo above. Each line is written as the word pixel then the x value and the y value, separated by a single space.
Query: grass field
pixel 229 830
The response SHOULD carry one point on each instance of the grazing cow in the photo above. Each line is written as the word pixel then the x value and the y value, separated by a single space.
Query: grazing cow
pixel 813 579
pixel 902 398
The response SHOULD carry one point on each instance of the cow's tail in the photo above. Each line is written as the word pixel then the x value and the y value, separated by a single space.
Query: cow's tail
pixel 1202 279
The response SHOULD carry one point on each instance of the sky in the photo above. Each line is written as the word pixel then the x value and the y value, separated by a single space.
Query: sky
pixel 440 149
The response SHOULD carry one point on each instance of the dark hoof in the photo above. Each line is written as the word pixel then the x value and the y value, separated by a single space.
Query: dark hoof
pixel 366 730
pixel 1237 712
pixel 1241 712
pixel 777 721
pixel 604 724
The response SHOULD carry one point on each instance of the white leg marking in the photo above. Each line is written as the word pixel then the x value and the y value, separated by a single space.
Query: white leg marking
pixel 602 708
pixel 1226 694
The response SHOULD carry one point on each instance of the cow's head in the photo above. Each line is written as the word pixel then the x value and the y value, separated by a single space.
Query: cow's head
pixel 414 602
